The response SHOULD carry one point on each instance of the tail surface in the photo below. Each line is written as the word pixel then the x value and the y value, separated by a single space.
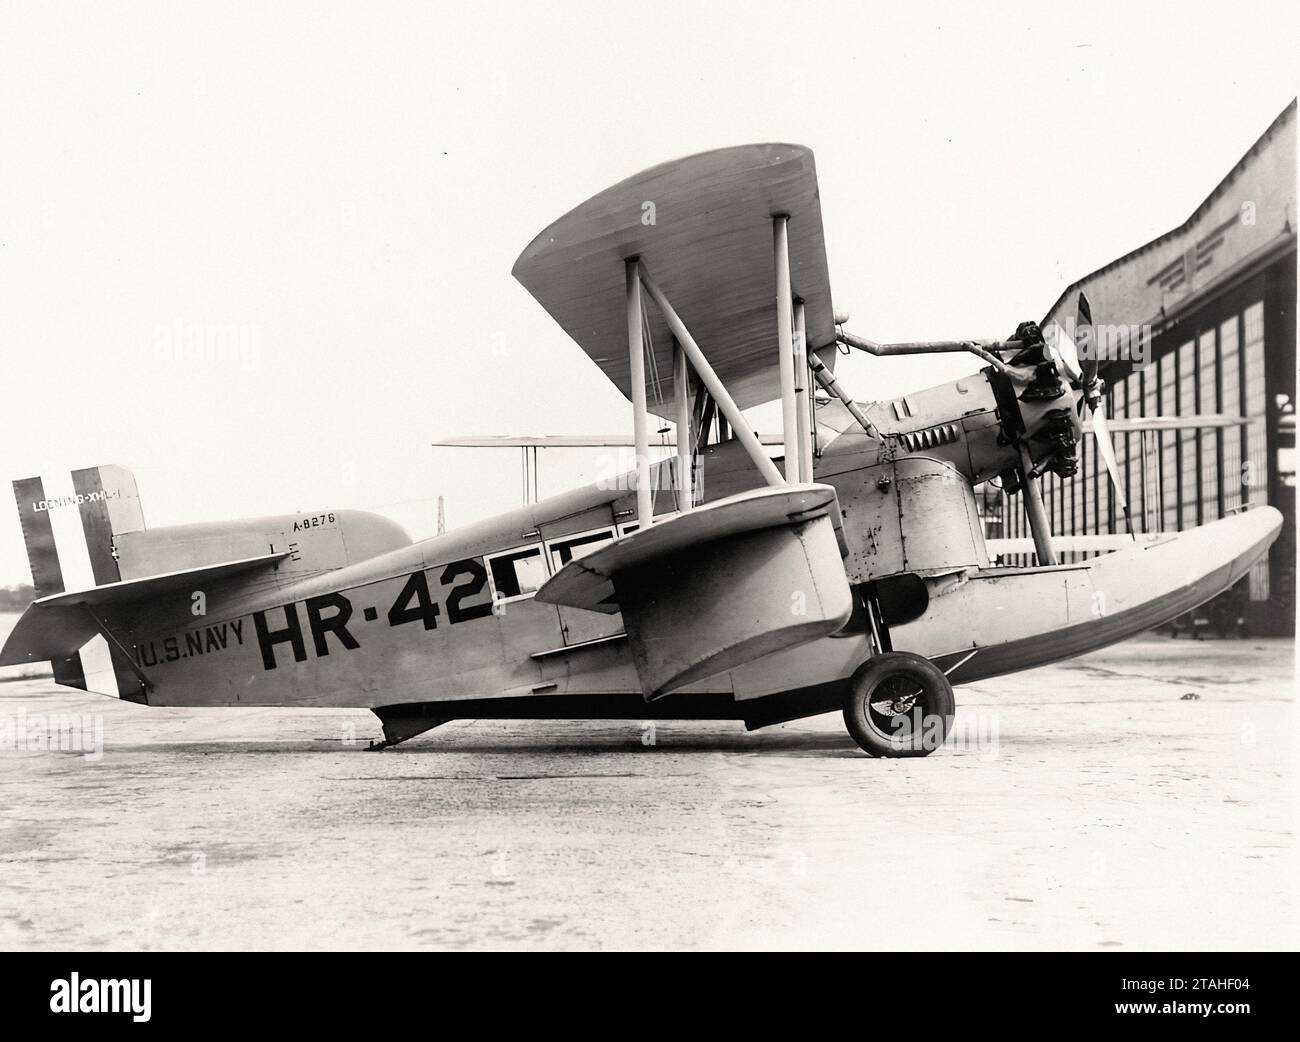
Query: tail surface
pixel 69 520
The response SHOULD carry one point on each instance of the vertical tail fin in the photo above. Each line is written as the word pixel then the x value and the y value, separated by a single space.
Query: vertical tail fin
pixel 68 522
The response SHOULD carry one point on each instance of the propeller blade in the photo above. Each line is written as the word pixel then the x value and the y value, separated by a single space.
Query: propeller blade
pixel 1101 431
pixel 1067 353
pixel 1088 367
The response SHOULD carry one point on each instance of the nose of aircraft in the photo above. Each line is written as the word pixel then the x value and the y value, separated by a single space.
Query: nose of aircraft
pixel 1189 567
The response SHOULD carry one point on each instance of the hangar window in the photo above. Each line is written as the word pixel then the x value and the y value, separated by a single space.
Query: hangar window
pixel 1208 371
pixel 1255 477
pixel 1188 493
pixel 1131 403
pixel 1231 405
pixel 1253 360
pixel 1079 500
pixel 1137 442
pixel 1101 482
pixel 1148 448
pixel 1169 444
pixel 517 573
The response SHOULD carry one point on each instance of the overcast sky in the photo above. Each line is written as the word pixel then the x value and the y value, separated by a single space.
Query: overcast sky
pixel 347 186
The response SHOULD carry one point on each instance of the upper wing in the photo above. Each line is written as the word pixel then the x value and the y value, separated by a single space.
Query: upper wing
pixel 702 227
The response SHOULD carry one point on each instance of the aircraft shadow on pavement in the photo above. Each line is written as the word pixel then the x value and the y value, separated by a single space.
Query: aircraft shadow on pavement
pixel 524 745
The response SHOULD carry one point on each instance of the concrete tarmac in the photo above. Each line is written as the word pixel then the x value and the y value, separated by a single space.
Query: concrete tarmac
pixel 1139 797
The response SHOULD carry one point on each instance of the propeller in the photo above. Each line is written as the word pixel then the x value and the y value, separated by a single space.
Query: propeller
pixel 1093 401
pixel 1068 354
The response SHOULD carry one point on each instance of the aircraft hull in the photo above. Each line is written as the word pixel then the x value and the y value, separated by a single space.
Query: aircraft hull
pixel 1119 595
pixel 364 646
pixel 1047 614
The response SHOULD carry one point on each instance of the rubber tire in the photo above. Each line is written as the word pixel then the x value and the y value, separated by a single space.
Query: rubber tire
pixel 937 693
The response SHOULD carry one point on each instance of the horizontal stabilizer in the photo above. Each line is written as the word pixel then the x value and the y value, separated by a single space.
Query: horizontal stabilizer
pixel 58 625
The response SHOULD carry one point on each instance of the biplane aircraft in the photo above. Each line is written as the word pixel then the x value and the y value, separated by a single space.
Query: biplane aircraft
pixel 848 573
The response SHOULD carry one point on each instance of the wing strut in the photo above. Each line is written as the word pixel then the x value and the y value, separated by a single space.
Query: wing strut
pixel 685 483
pixel 640 418
pixel 821 372
pixel 785 348
pixel 1038 525
pixel 708 377
pixel 802 399
pixel 796 424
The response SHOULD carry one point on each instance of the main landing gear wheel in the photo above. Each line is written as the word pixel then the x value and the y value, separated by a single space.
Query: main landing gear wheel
pixel 899 704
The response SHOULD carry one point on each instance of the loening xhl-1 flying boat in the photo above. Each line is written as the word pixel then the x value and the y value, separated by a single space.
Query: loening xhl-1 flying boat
pixel 849 573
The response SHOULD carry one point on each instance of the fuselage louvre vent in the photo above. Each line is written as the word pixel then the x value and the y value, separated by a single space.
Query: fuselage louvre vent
pixel 931 437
